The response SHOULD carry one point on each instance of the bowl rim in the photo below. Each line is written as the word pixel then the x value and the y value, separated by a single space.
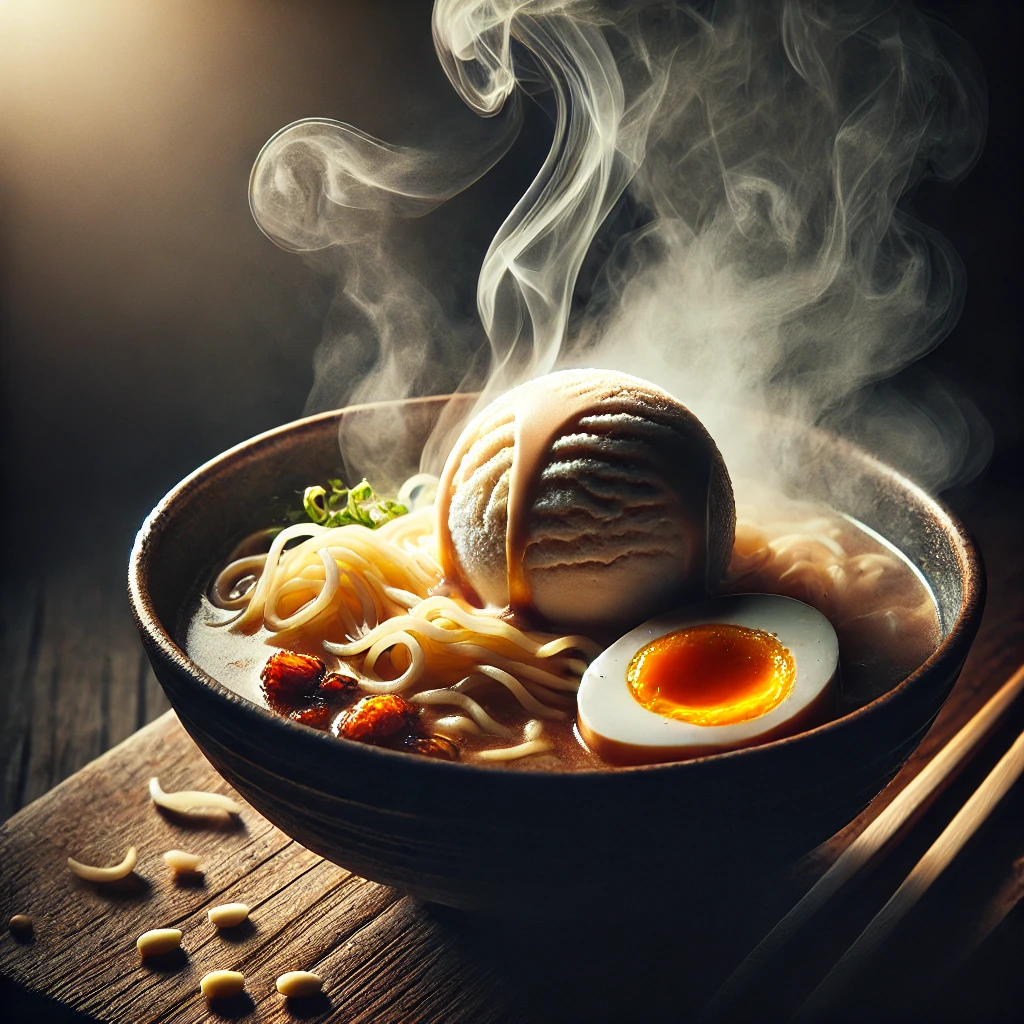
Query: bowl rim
pixel 952 649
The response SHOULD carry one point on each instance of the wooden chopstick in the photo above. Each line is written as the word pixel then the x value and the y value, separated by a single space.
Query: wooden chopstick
pixel 936 859
pixel 876 840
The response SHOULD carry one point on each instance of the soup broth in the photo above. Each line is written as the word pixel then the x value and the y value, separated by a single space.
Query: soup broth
pixel 879 604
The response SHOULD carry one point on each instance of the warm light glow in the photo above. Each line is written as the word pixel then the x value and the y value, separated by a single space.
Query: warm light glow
pixel 713 674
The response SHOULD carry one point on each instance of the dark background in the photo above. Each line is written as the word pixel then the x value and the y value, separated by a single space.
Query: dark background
pixel 146 322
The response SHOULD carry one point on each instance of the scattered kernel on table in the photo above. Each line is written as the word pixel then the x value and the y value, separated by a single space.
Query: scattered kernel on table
pixel 228 915
pixel 182 863
pixel 221 984
pixel 298 984
pixel 20 924
pixel 158 942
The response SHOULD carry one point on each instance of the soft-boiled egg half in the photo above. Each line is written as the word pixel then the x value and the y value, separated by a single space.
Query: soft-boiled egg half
pixel 725 673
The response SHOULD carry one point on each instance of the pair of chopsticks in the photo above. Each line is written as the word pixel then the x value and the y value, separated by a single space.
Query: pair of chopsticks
pixel 872 843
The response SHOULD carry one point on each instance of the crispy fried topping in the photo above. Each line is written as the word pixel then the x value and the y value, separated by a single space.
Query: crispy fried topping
pixel 291 678
pixel 339 682
pixel 439 747
pixel 375 718
pixel 316 716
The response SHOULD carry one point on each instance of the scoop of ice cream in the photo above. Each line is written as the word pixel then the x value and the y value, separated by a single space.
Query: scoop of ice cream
pixel 585 499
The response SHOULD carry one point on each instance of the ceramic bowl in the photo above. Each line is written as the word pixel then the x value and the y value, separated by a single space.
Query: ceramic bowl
pixel 513 842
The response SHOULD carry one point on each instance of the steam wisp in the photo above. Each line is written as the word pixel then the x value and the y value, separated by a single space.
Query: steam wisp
pixel 762 154
pixel 603 106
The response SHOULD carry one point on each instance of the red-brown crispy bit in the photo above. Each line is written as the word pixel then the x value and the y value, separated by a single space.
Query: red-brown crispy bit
pixel 316 716
pixel 339 682
pixel 439 747
pixel 291 678
pixel 375 718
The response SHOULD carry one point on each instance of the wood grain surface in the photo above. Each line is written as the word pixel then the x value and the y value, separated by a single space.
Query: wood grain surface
pixel 75 678
pixel 306 914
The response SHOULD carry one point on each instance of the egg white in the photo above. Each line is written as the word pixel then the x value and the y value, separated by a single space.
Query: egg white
pixel 622 731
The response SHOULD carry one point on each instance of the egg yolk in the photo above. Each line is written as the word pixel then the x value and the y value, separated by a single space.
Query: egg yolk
pixel 713 674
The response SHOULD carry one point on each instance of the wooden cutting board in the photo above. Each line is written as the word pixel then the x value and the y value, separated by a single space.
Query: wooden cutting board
pixel 385 956
pixel 306 913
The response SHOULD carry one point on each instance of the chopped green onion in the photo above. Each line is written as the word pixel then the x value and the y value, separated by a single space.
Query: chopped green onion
pixel 343 506
pixel 313 501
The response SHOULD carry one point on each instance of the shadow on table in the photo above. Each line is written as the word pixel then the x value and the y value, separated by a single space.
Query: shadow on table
pixel 667 967
pixel 604 968
pixel 18 1004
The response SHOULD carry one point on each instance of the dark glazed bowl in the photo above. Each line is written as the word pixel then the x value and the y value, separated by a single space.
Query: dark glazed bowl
pixel 486 838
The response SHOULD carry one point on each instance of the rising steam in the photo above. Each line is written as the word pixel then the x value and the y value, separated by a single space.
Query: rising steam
pixel 744 167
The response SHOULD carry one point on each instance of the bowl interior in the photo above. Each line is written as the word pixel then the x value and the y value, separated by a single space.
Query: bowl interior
pixel 467 835
pixel 277 466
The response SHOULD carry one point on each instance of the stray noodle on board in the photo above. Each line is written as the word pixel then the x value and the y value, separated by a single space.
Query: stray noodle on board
pixel 91 873
pixel 191 800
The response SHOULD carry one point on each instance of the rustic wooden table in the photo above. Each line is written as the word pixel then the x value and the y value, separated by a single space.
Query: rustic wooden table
pixel 76 683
